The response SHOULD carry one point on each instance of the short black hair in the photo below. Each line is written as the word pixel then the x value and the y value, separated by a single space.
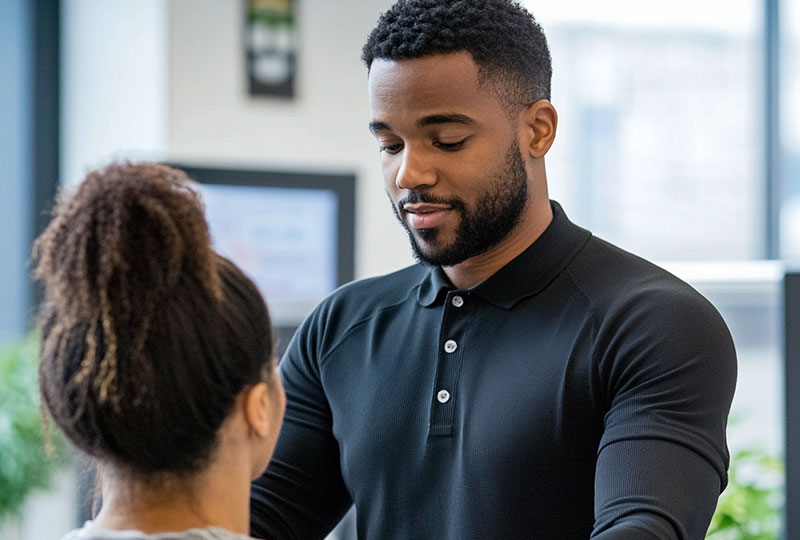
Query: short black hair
pixel 504 39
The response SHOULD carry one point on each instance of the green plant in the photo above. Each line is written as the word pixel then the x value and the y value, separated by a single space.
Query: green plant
pixel 25 464
pixel 751 506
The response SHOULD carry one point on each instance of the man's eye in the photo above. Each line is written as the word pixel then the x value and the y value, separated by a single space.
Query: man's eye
pixel 450 146
pixel 391 148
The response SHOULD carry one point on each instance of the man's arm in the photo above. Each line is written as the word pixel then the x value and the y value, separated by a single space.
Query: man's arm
pixel 670 373
pixel 301 495
pixel 653 490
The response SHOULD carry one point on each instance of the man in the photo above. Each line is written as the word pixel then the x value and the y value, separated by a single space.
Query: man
pixel 525 380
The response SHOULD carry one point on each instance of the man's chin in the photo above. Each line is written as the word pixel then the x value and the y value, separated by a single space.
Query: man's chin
pixel 431 255
pixel 427 247
pixel 423 252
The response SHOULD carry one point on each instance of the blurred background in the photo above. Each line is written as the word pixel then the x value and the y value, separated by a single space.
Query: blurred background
pixel 679 139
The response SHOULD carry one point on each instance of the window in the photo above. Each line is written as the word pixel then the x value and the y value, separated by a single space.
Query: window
pixel 790 130
pixel 659 147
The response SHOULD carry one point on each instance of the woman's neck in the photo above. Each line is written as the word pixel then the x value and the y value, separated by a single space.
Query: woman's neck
pixel 215 497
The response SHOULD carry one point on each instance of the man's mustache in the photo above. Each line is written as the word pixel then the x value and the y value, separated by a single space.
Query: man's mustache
pixel 416 197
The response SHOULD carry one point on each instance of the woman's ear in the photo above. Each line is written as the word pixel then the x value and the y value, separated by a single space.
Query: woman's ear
pixel 539 122
pixel 256 409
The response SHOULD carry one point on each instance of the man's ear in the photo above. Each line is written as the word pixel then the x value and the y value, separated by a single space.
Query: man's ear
pixel 256 409
pixel 539 120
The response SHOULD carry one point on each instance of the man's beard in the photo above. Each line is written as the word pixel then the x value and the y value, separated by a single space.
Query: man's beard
pixel 496 213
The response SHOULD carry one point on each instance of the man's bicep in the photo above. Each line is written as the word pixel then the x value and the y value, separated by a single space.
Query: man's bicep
pixel 652 485
pixel 301 495
pixel 669 373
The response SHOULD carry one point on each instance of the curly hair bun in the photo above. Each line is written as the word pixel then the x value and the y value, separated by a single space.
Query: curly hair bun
pixel 124 237
pixel 148 335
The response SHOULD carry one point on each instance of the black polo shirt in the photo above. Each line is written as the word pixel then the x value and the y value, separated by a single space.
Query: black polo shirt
pixel 579 391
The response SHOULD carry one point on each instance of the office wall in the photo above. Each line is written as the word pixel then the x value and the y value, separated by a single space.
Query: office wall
pixel 114 83
pixel 212 119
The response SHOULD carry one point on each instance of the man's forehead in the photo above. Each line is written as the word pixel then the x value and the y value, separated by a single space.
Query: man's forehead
pixel 436 79
pixel 459 61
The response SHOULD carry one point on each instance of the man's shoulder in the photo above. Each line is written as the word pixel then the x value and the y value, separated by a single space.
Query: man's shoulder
pixel 361 298
pixel 641 311
pixel 380 290
pixel 406 278
pixel 352 305
pixel 615 280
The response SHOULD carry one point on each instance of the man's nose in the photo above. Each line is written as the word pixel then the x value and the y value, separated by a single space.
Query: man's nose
pixel 416 170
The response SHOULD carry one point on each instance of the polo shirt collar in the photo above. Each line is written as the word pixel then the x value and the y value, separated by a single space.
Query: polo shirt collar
pixel 526 275
pixel 433 286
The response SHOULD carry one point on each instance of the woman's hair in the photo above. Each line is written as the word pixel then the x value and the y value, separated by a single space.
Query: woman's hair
pixel 148 335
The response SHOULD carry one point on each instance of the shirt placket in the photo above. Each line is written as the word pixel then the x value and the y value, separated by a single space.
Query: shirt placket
pixel 451 349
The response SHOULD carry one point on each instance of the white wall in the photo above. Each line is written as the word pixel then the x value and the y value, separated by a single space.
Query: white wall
pixel 213 120
pixel 47 515
pixel 114 93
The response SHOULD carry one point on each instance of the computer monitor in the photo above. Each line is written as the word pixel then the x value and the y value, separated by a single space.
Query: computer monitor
pixel 291 233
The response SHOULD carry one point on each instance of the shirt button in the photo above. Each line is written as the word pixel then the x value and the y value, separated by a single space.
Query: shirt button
pixel 458 301
pixel 443 396
pixel 450 346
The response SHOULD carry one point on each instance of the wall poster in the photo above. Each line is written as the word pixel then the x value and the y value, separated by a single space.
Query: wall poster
pixel 271 47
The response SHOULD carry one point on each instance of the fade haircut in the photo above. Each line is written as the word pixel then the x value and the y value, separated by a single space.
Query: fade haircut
pixel 504 39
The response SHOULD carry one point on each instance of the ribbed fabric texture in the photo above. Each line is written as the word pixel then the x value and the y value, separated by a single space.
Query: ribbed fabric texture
pixel 579 392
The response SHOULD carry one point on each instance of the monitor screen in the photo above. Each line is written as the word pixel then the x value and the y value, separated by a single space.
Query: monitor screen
pixel 291 233
pixel 284 239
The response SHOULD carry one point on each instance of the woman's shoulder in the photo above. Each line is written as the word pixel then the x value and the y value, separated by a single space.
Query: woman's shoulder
pixel 89 532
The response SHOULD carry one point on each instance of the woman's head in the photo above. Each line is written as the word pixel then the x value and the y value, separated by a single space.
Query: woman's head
pixel 149 338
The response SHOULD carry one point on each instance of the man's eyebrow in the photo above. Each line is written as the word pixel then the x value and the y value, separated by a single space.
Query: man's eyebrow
pixel 432 120
pixel 379 126
pixel 453 118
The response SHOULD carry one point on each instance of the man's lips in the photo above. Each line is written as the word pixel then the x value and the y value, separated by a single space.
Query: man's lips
pixel 426 215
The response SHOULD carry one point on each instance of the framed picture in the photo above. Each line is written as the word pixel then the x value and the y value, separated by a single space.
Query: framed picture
pixel 270 47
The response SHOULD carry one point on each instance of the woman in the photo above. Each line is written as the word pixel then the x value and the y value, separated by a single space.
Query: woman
pixel 157 357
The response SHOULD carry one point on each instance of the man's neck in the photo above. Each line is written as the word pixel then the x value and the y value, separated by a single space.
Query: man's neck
pixel 474 270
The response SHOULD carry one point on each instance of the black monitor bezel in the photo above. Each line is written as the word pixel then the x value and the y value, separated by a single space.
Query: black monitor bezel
pixel 343 185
